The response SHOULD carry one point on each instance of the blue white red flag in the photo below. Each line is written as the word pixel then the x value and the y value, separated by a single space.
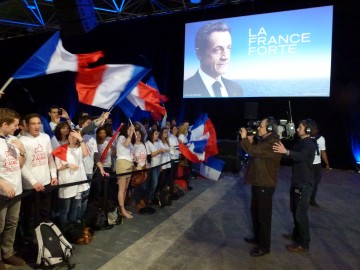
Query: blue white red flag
pixel 107 85
pixel 212 168
pixel 53 58
pixel 47 129
pixel 146 98
pixel 202 142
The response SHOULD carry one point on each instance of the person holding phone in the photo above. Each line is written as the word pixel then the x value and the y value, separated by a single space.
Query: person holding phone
pixel 57 113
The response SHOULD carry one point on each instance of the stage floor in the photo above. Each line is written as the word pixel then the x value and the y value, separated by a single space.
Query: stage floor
pixel 205 230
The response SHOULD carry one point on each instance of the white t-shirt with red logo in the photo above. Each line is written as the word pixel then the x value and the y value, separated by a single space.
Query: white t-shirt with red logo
pixel 39 164
pixel 9 164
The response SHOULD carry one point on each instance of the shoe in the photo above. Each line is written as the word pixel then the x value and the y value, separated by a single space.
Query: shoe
pixel 257 252
pixel 250 240
pixel 14 260
pixel 314 203
pixel 289 237
pixel 126 215
pixel 296 248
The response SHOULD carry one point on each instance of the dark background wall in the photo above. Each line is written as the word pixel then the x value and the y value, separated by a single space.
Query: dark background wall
pixel 158 42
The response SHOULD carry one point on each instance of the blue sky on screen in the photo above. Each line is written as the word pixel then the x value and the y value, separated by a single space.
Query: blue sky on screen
pixel 257 53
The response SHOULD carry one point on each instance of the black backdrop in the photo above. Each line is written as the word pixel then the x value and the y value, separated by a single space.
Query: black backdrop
pixel 158 42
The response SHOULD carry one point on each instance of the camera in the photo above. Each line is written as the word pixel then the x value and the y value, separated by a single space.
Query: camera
pixel 59 111
pixel 251 128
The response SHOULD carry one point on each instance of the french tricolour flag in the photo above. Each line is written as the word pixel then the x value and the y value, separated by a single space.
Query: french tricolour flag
pixel 107 85
pixel 146 98
pixel 53 58
pixel 202 140
pixel 212 168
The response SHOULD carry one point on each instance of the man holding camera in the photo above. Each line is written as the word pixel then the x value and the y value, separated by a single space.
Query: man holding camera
pixel 302 180
pixel 261 174
pixel 56 113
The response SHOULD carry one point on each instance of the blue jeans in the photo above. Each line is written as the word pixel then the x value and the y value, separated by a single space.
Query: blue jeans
pixel 69 208
pixel 83 204
pixel 299 205
pixel 153 182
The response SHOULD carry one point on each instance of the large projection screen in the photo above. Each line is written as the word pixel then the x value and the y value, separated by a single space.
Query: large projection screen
pixel 280 54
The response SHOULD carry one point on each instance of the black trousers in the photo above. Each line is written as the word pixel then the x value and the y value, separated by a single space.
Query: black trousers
pixel 35 210
pixel 261 213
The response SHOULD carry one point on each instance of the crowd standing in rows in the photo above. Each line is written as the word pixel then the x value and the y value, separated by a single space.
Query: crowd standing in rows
pixel 31 161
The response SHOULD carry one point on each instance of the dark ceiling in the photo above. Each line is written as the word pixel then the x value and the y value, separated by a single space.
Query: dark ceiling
pixel 27 17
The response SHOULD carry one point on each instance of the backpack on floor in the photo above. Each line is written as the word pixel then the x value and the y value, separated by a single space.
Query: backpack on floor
pixel 53 248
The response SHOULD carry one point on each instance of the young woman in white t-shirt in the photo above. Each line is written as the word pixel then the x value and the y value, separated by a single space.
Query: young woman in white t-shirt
pixel 124 164
pixel 154 150
pixel 165 171
pixel 70 171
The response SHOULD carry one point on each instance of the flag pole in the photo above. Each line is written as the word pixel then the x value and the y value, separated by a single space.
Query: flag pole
pixel 6 85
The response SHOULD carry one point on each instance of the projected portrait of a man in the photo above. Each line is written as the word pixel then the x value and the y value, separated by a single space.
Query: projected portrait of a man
pixel 213 47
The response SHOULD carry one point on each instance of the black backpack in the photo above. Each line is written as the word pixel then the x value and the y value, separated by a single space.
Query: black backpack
pixel 53 248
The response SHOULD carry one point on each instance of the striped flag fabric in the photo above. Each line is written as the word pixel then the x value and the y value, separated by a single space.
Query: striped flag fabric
pixel 212 168
pixel 146 98
pixel 202 142
pixel 107 85
pixel 52 58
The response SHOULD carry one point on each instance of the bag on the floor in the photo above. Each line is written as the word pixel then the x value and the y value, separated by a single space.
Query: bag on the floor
pixel 101 221
pixel 53 248
pixel 138 178
pixel 86 238
pixel 78 234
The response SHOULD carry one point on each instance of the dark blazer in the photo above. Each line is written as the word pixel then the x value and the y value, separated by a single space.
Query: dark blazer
pixel 195 87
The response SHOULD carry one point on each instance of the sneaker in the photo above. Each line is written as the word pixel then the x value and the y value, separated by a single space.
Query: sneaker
pixel 14 260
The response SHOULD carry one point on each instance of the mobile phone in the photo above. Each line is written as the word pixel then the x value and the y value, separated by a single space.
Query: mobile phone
pixel 59 111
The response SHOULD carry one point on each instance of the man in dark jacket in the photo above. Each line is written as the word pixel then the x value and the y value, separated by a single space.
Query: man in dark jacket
pixel 302 181
pixel 261 174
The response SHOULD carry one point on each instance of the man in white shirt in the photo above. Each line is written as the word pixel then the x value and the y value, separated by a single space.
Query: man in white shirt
pixel 38 172
pixel 12 157
pixel 320 155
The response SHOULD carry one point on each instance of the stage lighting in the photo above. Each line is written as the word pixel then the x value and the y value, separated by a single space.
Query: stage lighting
pixel 195 1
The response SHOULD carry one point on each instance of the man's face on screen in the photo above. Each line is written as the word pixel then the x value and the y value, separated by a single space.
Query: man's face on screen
pixel 215 58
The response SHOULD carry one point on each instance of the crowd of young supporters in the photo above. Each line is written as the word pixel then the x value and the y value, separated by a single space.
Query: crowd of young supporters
pixel 36 165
